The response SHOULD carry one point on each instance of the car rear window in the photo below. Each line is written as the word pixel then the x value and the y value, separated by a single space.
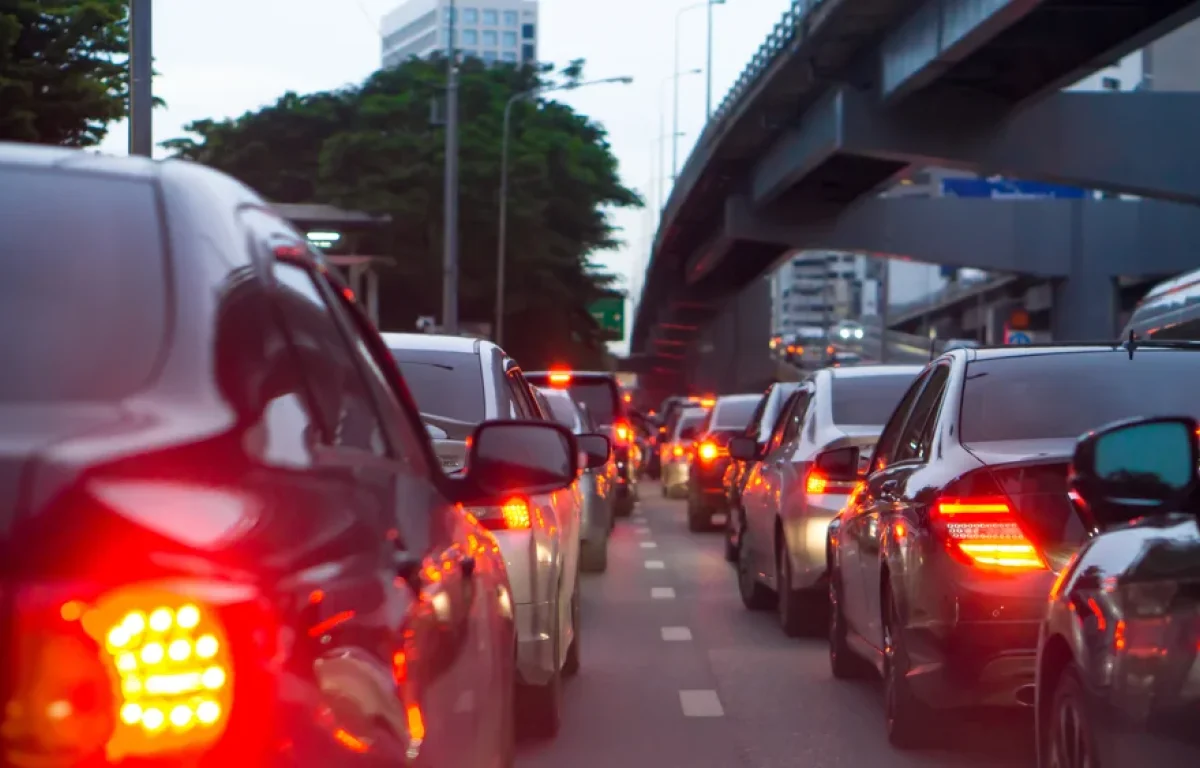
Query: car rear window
pixel 83 299
pixel 693 419
pixel 1044 396
pixel 733 415
pixel 867 400
pixel 562 409
pixel 448 388
pixel 598 394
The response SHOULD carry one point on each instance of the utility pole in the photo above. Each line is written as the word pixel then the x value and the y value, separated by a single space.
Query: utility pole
pixel 883 310
pixel 141 71
pixel 708 64
pixel 450 236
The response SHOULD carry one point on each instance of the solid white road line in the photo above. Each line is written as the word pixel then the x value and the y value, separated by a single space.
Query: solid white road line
pixel 649 545
pixel 676 634
pixel 662 593
pixel 655 565
pixel 701 704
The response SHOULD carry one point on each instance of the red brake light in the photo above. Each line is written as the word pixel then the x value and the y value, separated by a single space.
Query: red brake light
pixel 560 378
pixel 677 450
pixel 621 433
pixel 512 515
pixel 708 451
pixel 985 531
pixel 815 484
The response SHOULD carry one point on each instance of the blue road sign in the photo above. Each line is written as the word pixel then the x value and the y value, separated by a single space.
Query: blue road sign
pixel 1019 338
pixel 1000 189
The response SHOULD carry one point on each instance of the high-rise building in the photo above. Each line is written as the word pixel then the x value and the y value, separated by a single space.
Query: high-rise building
pixel 816 289
pixel 491 30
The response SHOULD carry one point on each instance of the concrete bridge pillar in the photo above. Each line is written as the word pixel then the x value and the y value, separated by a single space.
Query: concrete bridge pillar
pixel 730 355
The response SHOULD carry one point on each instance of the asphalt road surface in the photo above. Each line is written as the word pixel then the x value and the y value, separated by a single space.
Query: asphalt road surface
pixel 677 673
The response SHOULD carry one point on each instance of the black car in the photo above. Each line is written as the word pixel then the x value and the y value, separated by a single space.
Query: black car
pixel 601 393
pixel 222 526
pixel 943 560
pixel 1119 648
pixel 706 480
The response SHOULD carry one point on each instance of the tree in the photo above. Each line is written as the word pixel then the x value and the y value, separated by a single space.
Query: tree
pixel 379 147
pixel 63 69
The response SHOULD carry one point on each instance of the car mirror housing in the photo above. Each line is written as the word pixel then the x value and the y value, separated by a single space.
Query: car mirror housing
pixel 594 450
pixel 743 448
pixel 521 458
pixel 839 464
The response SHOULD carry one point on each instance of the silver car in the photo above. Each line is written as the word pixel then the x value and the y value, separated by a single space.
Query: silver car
pixel 457 383
pixel 595 485
pixel 788 499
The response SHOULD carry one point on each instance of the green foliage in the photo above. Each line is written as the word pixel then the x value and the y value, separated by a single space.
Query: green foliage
pixel 377 148
pixel 63 74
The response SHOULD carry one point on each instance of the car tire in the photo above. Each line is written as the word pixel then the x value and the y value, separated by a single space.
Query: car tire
pixel 800 612
pixel 755 596
pixel 593 556
pixel 571 662
pixel 908 719
pixel 843 662
pixel 1067 733
pixel 731 553
pixel 539 707
pixel 623 507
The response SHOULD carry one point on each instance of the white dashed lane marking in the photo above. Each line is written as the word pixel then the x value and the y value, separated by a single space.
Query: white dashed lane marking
pixel 676 634
pixel 649 545
pixel 655 565
pixel 662 593
pixel 701 704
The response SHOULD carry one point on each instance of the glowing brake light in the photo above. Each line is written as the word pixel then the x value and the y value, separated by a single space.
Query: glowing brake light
pixel 677 450
pixel 621 433
pixel 815 483
pixel 512 515
pixel 560 378
pixel 708 402
pixel 708 451
pixel 985 530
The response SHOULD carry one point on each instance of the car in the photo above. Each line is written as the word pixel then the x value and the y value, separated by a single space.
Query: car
pixel 762 423
pixel 596 486
pixel 943 561
pixel 458 382
pixel 706 480
pixel 225 536
pixel 601 392
pixel 677 452
pixel 797 485
pixel 1116 656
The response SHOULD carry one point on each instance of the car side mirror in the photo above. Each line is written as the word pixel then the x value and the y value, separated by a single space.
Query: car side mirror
pixel 521 458
pixel 594 450
pixel 1134 468
pixel 838 464
pixel 743 448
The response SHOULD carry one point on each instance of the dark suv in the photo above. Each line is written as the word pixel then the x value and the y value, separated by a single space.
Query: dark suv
pixel 600 393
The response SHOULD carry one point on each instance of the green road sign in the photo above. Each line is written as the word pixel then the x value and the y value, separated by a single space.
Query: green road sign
pixel 609 314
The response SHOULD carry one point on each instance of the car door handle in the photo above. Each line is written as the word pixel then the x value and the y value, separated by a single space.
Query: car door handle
pixel 467 566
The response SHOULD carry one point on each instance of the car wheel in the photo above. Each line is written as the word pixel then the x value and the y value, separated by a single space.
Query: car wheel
pixel 755 596
pixel 539 707
pixel 571 663
pixel 593 556
pixel 731 553
pixel 843 662
pixel 697 517
pixel 799 611
pixel 907 718
pixel 1067 737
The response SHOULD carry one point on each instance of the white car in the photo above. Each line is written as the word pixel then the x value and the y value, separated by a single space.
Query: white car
pixel 458 383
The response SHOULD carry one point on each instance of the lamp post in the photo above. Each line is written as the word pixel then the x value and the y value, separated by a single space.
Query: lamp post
pixel 450 231
pixel 708 68
pixel 675 123
pixel 502 235
pixel 662 124
pixel 141 70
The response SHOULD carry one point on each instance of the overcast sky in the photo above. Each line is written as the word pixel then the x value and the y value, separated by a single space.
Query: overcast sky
pixel 221 58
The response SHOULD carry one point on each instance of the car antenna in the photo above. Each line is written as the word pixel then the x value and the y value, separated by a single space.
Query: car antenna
pixel 1131 345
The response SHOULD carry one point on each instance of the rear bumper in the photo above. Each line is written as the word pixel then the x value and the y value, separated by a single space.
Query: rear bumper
pixel 982 663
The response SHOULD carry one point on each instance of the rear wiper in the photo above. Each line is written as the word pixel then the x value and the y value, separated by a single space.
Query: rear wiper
pixel 443 366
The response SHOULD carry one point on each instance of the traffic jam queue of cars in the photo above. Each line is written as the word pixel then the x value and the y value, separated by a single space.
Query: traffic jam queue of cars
pixel 242 528
pixel 1004 527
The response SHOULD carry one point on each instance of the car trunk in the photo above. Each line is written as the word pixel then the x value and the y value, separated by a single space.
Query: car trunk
pixel 1033 475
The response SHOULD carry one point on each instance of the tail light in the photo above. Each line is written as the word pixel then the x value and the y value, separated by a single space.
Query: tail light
pixel 560 378
pixel 146 671
pixel 979 526
pixel 513 515
pixel 621 433
pixel 817 483
pixel 708 451
pixel 677 450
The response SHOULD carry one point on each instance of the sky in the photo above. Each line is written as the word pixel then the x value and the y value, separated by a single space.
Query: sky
pixel 222 58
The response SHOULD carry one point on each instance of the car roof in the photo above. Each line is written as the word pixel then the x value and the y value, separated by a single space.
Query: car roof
pixel 739 398
pixel 1034 350
pixel 77 160
pixel 433 342
pixel 864 371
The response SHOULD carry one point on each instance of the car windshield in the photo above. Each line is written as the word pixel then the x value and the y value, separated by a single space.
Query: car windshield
pixel 1042 396
pixel 733 415
pixel 448 388
pixel 84 265
pixel 598 394
pixel 867 400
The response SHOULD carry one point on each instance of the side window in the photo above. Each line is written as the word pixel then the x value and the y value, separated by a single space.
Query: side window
pixel 526 391
pixel 882 455
pixel 796 418
pixel 522 405
pixel 917 435
pixel 755 425
pixel 343 402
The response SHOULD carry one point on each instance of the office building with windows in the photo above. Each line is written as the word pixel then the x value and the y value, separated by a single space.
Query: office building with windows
pixel 496 31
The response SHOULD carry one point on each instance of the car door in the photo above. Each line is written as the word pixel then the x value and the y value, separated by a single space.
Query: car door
pixel 854 539
pixel 423 621
pixel 768 483
pixel 891 497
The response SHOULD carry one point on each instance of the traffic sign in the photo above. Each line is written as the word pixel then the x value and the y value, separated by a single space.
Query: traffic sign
pixel 1009 189
pixel 609 314
pixel 1019 338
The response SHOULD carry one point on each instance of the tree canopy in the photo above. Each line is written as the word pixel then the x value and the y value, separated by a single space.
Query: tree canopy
pixel 379 147
pixel 63 69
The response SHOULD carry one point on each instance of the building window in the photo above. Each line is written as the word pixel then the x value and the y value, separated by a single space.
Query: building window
pixel 509 56
pixel 470 37
pixel 510 39
pixel 489 57
pixel 489 18
pixel 527 52
pixel 470 53
pixel 510 18
pixel 1110 84
pixel 527 31
pixel 450 15
pixel 470 16
pixel 489 38
pixel 446 37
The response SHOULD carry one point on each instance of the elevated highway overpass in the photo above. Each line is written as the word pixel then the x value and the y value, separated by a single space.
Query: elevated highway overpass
pixel 845 98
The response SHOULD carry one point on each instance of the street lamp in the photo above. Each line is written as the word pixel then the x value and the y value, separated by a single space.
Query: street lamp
pixel 141 71
pixel 675 142
pixel 708 68
pixel 662 120
pixel 502 237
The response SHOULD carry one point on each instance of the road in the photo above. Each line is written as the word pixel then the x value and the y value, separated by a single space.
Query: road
pixel 728 690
